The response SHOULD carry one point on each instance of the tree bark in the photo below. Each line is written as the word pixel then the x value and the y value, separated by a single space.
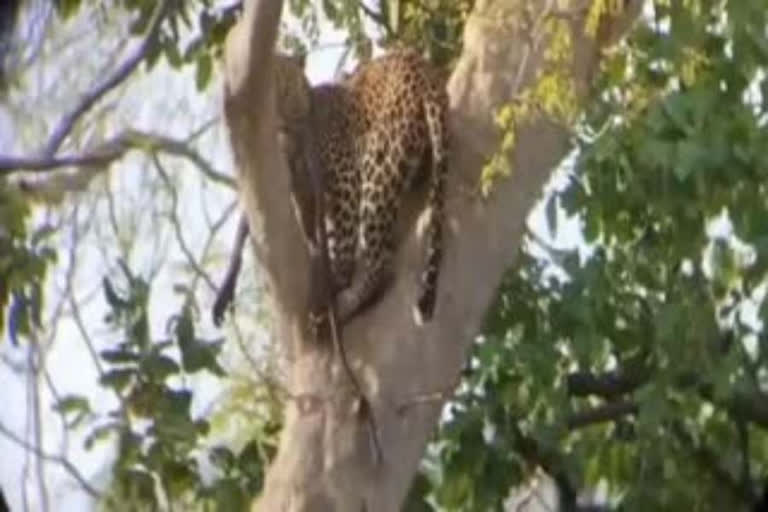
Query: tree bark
pixel 326 459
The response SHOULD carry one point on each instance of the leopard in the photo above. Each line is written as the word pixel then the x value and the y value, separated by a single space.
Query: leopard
pixel 376 133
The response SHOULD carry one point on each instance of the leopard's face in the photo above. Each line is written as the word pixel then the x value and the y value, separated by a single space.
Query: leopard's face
pixel 292 89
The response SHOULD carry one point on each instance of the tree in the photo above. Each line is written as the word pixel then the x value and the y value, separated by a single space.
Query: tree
pixel 325 460
pixel 625 366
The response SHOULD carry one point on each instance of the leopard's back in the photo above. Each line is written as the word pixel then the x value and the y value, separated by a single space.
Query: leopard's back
pixel 375 132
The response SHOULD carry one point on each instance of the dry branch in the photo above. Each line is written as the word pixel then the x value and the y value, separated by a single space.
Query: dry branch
pixel 90 98
pixel 56 459
pixel 97 159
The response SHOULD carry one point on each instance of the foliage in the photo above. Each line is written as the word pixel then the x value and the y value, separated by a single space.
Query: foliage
pixel 434 26
pixel 551 96
pixel 208 25
pixel 641 363
pixel 24 258
pixel 160 445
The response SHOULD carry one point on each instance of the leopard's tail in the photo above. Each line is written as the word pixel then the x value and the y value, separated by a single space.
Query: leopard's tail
pixel 435 111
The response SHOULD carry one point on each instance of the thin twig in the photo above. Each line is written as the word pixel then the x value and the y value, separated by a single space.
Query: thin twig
pixel 65 125
pixel 61 413
pixel 37 416
pixel 57 459
pixel 191 261
pixel 376 17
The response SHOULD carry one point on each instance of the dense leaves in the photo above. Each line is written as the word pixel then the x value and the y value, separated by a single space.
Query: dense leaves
pixel 24 258
pixel 157 437
pixel 639 364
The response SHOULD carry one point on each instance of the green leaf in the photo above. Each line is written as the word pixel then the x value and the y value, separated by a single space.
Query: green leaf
pixel 196 354
pixel 223 458
pixel 172 54
pixel 159 367
pixel 250 461
pixel 114 301
pixel 100 434
pixel 180 477
pixel 689 157
pixel 416 501
pixel 204 69
pixel 330 9
pixel 184 329
pixel 67 8
pixel 72 403
pixel 120 355
pixel 179 403
pixel 228 495
pixel 139 484
pixel 118 378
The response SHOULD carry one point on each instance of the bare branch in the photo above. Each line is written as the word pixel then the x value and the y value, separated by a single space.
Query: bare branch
pixel 156 142
pixel 57 459
pixel 191 260
pixel 109 151
pixel 95 160
pixel 377 17
pixel 65 125
pixel 37 365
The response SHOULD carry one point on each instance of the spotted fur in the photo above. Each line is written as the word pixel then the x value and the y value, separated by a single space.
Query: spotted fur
pixel 377 130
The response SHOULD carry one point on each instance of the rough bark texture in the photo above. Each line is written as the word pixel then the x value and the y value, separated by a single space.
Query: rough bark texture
pixel 325 459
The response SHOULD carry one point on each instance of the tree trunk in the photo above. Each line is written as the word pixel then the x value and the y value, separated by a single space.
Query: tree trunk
pixel 326 458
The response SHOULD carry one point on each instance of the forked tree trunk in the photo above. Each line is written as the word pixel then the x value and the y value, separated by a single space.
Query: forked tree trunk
pixel 326 459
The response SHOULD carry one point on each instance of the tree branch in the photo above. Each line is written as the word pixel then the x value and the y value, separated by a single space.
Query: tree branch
pixel 376 17
pixel 606 385
pixel 610 411
pixel 173 217
pixel 746 470
pixel 747 404
pixel 109 151
pixel 89 99
pixel 58 459
pixel 93 161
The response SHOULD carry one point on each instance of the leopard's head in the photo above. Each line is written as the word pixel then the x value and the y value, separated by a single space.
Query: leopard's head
pixel 292 89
